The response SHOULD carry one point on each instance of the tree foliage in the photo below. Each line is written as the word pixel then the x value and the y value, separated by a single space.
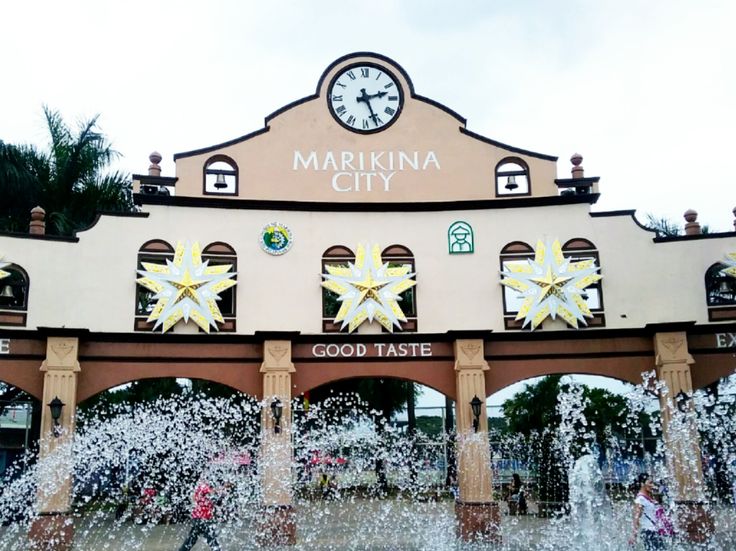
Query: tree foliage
pixel 69 179
pixel 666 227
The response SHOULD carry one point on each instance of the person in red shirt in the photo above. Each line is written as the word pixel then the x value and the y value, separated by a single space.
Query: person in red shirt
pixel 203 515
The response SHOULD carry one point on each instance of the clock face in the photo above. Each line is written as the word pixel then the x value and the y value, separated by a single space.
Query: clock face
pixel 365 98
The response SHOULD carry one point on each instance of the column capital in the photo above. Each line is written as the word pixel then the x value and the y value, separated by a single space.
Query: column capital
pixel 61 354
pixel 277 357
pixel 469 355
pixel 671 348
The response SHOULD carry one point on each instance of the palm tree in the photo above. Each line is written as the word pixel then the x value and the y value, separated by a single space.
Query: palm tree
pixel 69 180
pixel 18 187
pixel 666 227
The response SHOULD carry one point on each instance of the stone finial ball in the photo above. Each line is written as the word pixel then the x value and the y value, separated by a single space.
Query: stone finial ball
pixel 576 159
pixel 37 213
pixel 690 215
pixel 155 157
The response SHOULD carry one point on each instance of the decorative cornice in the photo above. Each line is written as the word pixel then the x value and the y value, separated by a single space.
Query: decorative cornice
pixel 316 206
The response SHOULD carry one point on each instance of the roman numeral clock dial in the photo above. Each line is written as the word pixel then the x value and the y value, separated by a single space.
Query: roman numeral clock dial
pixel 365 98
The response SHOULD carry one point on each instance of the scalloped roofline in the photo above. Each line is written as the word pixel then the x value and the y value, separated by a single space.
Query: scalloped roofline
pixel 462 120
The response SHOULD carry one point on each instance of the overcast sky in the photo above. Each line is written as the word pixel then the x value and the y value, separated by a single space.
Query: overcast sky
pixel 643 90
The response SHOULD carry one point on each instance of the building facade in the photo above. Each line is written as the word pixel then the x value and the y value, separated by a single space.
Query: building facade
pixel 364 231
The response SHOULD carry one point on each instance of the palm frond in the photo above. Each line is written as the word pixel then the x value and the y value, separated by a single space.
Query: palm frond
pixel 663 226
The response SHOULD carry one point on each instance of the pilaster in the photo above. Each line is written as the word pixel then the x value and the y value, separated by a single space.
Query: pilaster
pixel 673 361
pixel 277 523
pixel 51 530
pixel 477 514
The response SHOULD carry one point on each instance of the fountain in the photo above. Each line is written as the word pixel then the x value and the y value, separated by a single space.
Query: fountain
pixel 359 482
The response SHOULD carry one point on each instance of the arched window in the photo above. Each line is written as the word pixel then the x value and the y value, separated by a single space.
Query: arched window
pixel 512 178
pixel 334 256
pixel 220 176
pixel 398 255
pixel 395 255
pixel 219 253
pixel 576 250
pixel 157 251
pixel 14 296
pixel 516 252
pixel 720 290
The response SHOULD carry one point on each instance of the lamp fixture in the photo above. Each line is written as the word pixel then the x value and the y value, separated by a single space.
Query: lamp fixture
pixel 475 404
pixel 55 406
pixel 681 399
pixel 277 410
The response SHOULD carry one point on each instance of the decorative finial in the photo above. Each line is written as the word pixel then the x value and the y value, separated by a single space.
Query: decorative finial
pixel 693 226
pixel 577 169
pixel 155 168
pixel 37 226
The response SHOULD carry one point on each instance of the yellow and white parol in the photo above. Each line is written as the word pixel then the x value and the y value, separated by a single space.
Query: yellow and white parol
pixel 551 285
pixel 368 290
pixel 186 288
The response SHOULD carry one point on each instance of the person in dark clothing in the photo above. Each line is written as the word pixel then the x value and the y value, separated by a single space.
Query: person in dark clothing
pixel 517 494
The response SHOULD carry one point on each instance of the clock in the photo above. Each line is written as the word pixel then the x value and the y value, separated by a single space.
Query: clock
pixel 365 98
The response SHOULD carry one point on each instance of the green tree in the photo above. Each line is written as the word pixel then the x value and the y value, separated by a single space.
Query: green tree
pixel 69 179
pixel 666 227
pixel 533 412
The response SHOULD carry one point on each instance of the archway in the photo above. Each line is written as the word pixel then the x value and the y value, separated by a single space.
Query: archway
pixel 548 423
pixel 20 427
pixel 141 447
pixel 371 435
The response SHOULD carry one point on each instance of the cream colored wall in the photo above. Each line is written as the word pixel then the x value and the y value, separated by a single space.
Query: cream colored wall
pixel 266 161
pixel 91 284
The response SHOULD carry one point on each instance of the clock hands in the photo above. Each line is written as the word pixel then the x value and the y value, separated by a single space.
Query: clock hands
pixel 366 98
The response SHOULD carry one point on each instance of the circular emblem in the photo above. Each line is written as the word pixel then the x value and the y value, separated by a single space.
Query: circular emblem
pixel 276 238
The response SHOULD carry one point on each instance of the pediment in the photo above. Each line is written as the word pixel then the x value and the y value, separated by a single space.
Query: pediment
pixel 308 152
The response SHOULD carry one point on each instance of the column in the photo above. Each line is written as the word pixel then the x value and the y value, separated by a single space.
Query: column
pixel 673 362
pixel 277 525
pixel 478 517
pixel 53 529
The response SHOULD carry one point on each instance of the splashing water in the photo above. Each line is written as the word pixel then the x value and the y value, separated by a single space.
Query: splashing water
pixel 359 481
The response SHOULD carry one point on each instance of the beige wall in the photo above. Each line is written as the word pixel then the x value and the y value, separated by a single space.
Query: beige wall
pixel 91 284
pixel 266 161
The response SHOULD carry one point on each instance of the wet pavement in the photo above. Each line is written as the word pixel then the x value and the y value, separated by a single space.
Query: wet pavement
pixel 387 525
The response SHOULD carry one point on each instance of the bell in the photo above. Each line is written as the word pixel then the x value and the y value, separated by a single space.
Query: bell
pixel 7 292
pixel 220 183
pixel 725 288
pixel 511 184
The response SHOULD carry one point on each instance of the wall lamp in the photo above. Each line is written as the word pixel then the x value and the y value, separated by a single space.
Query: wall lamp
pixel 475 404
pixel 55 407
pixel 681 399
pixel 277 409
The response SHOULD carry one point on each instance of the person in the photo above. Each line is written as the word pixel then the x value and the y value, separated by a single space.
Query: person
pixel 649 517
pixel 517 494
pixel 325 484
pixel 203 515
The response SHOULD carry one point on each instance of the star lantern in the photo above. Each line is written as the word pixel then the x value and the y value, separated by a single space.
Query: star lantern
pixel 186 288
pixel 551 285
pixel 3 273
pixel 729 261
pixel 369 290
